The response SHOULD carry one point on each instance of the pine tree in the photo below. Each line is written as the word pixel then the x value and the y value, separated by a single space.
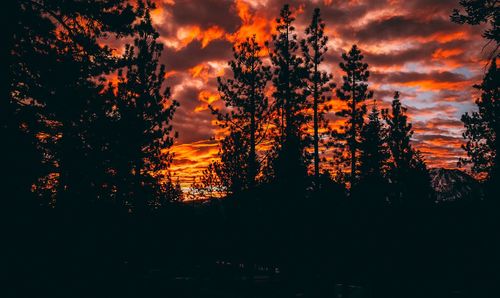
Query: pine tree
pixel 208 185
pixel 483 127
pixel 477 12
pixel 407 172
pixel 144 110
pixel 289 83
pixel 319 83
pixel 244 95
pixel 374 154
pixel 233 167
pixel 400 133
pixel 372 185
pixel 354 91
pixel 178 195
pixel 171 192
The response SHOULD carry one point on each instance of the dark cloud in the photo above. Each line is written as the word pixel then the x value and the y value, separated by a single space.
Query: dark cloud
pixel 439 137
pixel 438 126
pixel 439 109
pixel 418 53
pixel 192 125
pixel 399 27
pixel 461 96
pixel 193 54
pixel 447 123
pixel 405 77
pixel 341 15
pixel 188 97
pixel 430 8
pixel 204 13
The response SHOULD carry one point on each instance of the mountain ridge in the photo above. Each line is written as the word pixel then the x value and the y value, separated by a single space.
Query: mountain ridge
pixel 454 184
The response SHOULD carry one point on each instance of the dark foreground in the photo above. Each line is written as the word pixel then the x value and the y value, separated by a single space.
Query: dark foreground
pixel 237 248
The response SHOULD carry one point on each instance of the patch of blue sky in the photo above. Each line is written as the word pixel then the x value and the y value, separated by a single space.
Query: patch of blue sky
pixel 414 66
pixel 465 71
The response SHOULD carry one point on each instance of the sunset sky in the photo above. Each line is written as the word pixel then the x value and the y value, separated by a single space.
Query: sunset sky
pixel 410 45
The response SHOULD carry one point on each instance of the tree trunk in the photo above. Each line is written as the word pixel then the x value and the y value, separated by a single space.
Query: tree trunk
pixel 353 133
pixel 316 135
pixel 252 155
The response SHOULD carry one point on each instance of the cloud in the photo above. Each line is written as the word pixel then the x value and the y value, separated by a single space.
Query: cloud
pixel 434 80
pixel 194 54
pixel 405 77
pixel 405 27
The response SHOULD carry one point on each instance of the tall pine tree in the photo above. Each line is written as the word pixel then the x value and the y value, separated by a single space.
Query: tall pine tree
pixel 373 160
pixel 144 110
pixel 289 83
pixel 233 168
pixel 319 83
pixel 374 154
pixel 244 95
pixel 407 172
pixel 354 91
pixel 483 127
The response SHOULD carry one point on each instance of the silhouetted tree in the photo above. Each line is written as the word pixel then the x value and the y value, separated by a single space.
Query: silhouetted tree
pixel 483 127
pixel 373 147
pixel 171 192
pixel 233 167
pixel 476 12
pixel 289 83
pixel 407 171
pixel 373 162
pixel 354 91
pixel 209 184
pixel 245 96
pixel 319 83
pixel 145 109
pixel 178 193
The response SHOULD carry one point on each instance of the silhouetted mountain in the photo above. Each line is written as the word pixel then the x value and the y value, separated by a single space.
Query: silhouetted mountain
pixel 453 184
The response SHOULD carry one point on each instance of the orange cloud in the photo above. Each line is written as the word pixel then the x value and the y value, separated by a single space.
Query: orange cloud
pixel 443 54
pixel 187 34
pixel 252 24
pixel 210 34
pixel 431 85
pixel 208 70
pixel 191 159
pixel 169 74
pixel 447 37
pixel 158 15
pixel 200 71
pixel 206 98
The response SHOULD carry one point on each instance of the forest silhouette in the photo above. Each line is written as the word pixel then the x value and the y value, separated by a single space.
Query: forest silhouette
pixel 92 209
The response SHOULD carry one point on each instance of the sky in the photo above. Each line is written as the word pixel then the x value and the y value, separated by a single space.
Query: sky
pixel 410 46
